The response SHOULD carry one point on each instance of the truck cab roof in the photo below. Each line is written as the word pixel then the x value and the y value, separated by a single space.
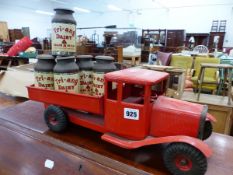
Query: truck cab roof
pixel 137 75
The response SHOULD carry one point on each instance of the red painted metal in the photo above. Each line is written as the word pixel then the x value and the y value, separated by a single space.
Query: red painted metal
pixel 52 120
pixel 90 121
pixel 150 140
pixel 74 101
pixel 137 76
pixel 115 121
pixel 211 118
pixel 183 163
pixel 175 117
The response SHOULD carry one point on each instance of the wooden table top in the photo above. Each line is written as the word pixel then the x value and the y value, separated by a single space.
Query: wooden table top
pixel 213 65
pixel 26 144
pixel 208 99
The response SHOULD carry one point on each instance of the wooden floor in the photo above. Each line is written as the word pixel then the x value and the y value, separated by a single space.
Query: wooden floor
pixel 26 144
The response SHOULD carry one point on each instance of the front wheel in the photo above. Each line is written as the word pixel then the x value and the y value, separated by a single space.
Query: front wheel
pixel 55 118
pixel 184 159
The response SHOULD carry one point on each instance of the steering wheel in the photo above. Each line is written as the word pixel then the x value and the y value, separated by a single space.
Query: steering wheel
pixel 154 96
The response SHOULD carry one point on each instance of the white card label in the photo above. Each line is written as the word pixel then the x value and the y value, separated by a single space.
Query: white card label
pixel 132 114
pixel 49 164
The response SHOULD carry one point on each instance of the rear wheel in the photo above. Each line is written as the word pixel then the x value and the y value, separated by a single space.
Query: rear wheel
pixel 55 118
pixel 208 128
pixel 184 159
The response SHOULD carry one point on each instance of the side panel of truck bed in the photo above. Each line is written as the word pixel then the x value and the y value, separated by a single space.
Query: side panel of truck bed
pixel 74 101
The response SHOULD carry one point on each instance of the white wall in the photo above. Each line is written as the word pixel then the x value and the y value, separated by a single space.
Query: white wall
pixel 19 16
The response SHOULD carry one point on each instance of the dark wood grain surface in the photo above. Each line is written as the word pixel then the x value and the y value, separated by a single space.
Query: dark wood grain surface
pixel 6 101
pixel 26 143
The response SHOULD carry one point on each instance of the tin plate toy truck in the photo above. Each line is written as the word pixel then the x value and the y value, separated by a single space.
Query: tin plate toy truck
pixel 133 113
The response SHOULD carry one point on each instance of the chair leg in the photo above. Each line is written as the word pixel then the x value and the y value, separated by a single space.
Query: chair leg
pixel 220 87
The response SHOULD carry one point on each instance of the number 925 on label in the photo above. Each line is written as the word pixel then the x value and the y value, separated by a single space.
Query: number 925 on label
pixel 132 114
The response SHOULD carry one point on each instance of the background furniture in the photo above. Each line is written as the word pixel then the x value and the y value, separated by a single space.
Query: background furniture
pixel 227 69
pixel 216 40
pixel 132 55
pixel 214 27
pixel 201 49
pixel 4 35
pixel 231 53
pixel 211 75
pixel 7 61
pixel 199 39
pixel 222 75
pixel 163 58
pixel 218 107
pixel 15 34
pixel 184 62
pixel 222 25
pixel 152 37
pixel 175 38
pixel 176 80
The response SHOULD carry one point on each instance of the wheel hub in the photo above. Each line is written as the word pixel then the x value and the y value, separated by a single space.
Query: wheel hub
pixel 52 120
pixel 183 163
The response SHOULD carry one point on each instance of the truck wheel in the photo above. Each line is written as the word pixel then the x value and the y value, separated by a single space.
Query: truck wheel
pixel 208 128
pixel 55 118
pixel 184 159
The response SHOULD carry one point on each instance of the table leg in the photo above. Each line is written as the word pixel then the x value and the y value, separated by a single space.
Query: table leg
pixel 199 82
pixel 224 81
pixel 229 86
pixel 133 61
pixel 139 60
pixel 181 83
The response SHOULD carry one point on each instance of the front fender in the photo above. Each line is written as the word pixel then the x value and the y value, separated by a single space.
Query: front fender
pixel 150 140
pixel 200 145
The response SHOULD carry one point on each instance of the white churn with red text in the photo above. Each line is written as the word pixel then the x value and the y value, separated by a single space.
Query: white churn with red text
pixel 103 65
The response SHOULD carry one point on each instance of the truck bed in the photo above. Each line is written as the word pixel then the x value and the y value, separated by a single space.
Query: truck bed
pixel 82 102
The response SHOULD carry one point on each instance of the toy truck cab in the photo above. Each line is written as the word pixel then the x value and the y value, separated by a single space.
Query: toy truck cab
pixel 135 107
pixel 129 99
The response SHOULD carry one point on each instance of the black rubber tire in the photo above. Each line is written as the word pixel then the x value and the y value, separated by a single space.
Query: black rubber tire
pixel 55 118
pixel 173 153
pixel 208 128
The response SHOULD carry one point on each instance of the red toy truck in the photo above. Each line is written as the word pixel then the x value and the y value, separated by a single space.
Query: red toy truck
pixel 134 113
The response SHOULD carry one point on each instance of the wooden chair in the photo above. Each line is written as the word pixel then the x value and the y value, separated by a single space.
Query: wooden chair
pixel 201 49
pixel 222 75
pixel 210 76
pixel 184 62
pixel 163 58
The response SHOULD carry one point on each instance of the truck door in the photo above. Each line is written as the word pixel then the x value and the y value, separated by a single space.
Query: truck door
pixel 125 112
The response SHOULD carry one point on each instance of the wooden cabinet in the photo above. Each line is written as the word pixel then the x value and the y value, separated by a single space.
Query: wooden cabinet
pixel 4 36
pixel 216 40
pixel 199 39
pixel 152 40
pixel 218 107
pixel 175 38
